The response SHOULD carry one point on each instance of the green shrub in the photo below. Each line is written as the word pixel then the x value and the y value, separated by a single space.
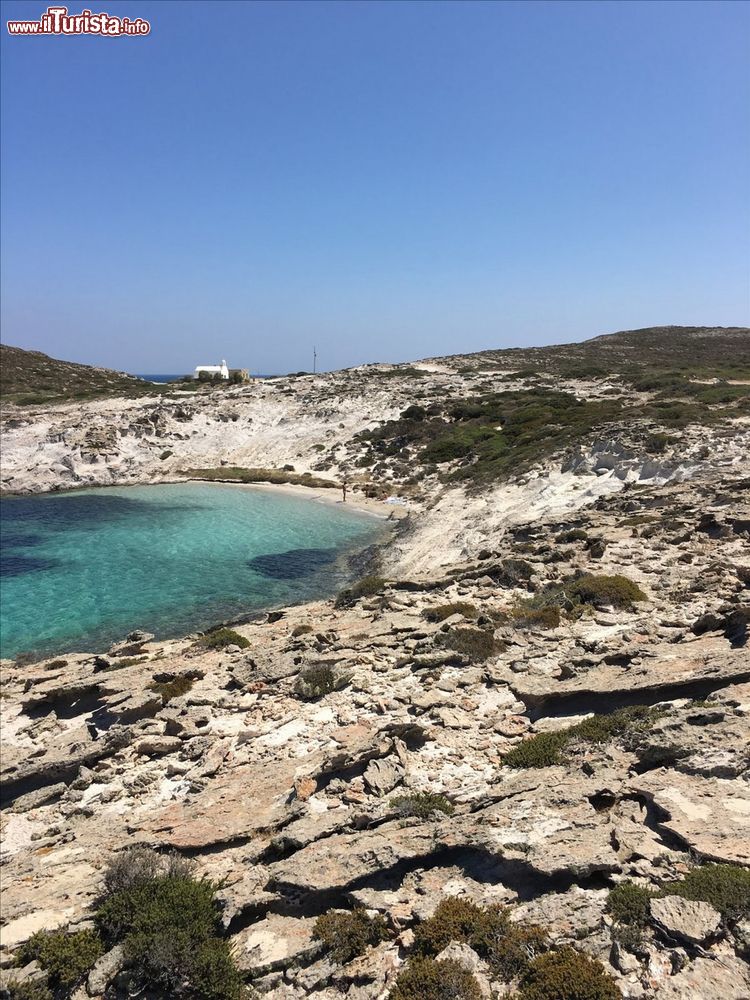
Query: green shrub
pixel 414 412
pixel 222 637
pixel 478 644
pixel 629 721
pixel 128 661
pixel 507 947
pixel 302 630
pixel 347 934
pixel 657 443
pixel 545 749
pixel 315 682
pixel 541 750
pixel 65 956
pixel 725 887
pixel 574 535
pixel 567 975
pixel 573 594
pixel 31 989
pixel 136 865
pixel 442 611
pixel 426 979
pixel 278 477
pixel 454 919
pixel 174 688
pixel 628 903
pixel 526 616
pixel 366 587
pixel 422 804
pixel 169 926
pixel 618 591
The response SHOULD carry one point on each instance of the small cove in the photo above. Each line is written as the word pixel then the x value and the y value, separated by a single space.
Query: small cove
pixel 80 570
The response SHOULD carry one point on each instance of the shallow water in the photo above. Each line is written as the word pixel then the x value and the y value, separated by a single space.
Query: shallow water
pixel 81 570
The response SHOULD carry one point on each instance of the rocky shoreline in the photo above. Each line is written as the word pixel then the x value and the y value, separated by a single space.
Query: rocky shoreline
pixel 539 700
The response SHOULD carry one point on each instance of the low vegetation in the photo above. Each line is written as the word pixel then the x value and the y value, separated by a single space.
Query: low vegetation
pixel 725 887
pixel 567 974
pixel 573 597
pixel 442 611
pixel 168 923
pixel 65 956
pixel 545 749
pixel 368 586
pixel 173 688
pixel 628 903
pixel 573 535
pixel 315 682
pixel 507 947
pixel 278 477
pixel 478 644
pixel 222 637
pixel 523 615
pixel 30 989
pixel 299 630
pixel 30 378
pixel 427 979
pixel 423 805
pixel 346 934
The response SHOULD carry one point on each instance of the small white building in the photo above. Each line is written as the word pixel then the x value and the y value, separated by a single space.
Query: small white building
pixel 212 370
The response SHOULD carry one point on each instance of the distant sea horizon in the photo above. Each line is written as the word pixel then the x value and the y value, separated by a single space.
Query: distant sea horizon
pixel 175 378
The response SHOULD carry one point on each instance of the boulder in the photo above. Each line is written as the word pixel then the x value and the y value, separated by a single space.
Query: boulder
pixel 382 776
pixel 105 970
pixel 687 919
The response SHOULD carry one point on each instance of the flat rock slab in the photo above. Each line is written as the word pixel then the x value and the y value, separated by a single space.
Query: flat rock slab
pixel 707 979
pixel 687 919
pixel 667 666
pixel 239 803
pixel 710 815
pixel 276 942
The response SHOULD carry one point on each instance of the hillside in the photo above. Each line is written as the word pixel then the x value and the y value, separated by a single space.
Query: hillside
pixel 30 377
pixel 710 351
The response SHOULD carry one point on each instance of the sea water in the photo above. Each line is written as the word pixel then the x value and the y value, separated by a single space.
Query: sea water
pixel 82 569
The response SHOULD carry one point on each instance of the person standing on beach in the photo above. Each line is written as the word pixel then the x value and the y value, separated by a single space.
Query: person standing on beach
pixel 343 489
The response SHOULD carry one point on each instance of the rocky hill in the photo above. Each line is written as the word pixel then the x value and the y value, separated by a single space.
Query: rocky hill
pixel 512 762
pixel 30 378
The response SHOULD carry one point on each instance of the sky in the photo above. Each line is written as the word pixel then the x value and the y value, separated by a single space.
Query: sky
pixel 383 181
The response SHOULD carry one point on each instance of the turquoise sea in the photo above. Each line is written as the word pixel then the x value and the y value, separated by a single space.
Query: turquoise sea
pixel 82 569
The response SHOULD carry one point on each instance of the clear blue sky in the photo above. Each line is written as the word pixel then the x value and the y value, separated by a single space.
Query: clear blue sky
pixel 385 180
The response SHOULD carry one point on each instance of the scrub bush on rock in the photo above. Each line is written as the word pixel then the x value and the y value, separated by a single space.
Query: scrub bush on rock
pixel 507 947
pixel 475 643
pixel 442 611
pixel 65 956
pixel 168 923
pixel 544 749
pixel 628 903
pixel 422 804
pixel 319 681
pixel 31 989
pixel 567 975
pixel 369 586
pixel 426 979
pixel 222 637
pixel 348 934
pixel 725 887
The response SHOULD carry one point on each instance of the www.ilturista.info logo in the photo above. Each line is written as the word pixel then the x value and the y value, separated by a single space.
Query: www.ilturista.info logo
pixel 57 21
